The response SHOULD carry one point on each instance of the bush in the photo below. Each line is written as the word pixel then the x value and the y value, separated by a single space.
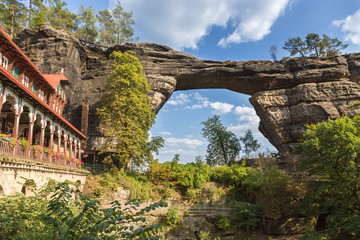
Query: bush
pixel 233 175
pixel 330 152
pixel 222 223
pixel 172 216
pixel 247 216
pixel 273 190
pixel 64 217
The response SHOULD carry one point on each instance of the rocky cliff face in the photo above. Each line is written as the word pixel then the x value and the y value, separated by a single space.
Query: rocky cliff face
pixel 285 96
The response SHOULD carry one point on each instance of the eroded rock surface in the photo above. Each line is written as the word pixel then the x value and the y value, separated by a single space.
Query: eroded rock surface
pixel 285 96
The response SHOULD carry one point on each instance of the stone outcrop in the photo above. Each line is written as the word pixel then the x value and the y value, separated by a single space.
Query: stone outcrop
pixel 285 95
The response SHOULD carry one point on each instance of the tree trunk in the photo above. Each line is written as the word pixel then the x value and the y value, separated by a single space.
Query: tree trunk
pixel 30 10
pixel 12 22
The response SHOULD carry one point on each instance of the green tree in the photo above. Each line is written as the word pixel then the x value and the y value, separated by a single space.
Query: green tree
pixel 296 45
pixel 125 113
pixel 86 24
pixel 123 24
pixel 330 151
pixel 13 16
pixel 223 147
pixel 37 13
pixel 250 143
pixel 314 46
pixel 107 31
pixel 59 16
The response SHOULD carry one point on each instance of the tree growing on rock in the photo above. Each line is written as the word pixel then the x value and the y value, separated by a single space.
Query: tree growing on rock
pixel 314 46
pixel 13 16
pixel 224 146
pixel 125 113
pixel 86 24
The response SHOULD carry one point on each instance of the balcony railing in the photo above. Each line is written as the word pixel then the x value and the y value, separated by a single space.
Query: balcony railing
pixel 10 147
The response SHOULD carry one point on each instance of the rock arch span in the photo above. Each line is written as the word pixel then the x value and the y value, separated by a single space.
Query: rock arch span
pixel 285 96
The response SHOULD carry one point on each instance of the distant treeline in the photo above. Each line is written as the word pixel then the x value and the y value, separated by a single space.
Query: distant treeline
pixel 106 27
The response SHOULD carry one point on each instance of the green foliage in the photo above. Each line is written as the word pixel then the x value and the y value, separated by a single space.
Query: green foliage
pixel 183 176
pixel 250 144
pixel 330 151
pixel 66 217
pixel 172 216
pixel 13 16
pixel 314 46
pixel 313 235
pixel 272 189
pixel 89 221
pixel 59 16
pixel 202 235
pixel 123 23
pixel 125 112
pixel 233 175
pixel 223 147
pixel 20 218
pixel 86 27
pixel 247 216
pixel 222 223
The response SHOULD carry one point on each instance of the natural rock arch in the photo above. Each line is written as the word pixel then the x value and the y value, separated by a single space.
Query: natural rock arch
pixel 285 96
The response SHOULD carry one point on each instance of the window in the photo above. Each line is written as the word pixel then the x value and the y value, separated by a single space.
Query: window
pixel 48 98
pixel 34 88
pixel 58 89
pixel 25 81
pixel 5 62
pixel 41 95
pixel 15 71
pixel 0 58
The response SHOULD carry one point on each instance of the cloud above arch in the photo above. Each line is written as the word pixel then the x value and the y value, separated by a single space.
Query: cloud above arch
pixel 351 27
pixel 184 23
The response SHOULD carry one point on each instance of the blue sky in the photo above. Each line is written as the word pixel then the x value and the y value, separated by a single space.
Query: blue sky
pixel 236 30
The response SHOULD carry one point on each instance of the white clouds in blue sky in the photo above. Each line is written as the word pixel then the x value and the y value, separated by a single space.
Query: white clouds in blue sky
pixel 184 23
pixel 351 27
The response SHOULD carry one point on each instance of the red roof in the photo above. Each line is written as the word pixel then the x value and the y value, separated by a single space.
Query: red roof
pixel 54 79
pixel 13 79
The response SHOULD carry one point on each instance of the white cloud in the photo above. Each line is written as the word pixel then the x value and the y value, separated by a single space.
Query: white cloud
pixel 247 114
pixel 221 108
pixel 351 27
pixel 180 99
pixel 183 142
pixel 165 133
pixel 183 23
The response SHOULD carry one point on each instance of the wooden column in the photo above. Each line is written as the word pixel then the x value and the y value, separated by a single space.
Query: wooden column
pixel 42 137
pixel 17 112
pixel 70 143
pixel 65 143
pixel 2 97
pixel 59 144
pixel 32 118
pixel 51 142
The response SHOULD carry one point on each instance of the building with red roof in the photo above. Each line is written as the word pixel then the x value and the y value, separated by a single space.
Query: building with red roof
pixel 31 107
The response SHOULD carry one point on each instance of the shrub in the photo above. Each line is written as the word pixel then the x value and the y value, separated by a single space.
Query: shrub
pixel 233 175
pixel 172 216
pixel 273 190
pixel 222 223
pixel 330 152
pixel 247 216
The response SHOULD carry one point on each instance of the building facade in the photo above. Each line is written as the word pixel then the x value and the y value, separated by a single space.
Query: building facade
pixel 31 107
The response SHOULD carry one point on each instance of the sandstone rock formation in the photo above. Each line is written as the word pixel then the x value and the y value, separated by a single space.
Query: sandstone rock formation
pixel 285 96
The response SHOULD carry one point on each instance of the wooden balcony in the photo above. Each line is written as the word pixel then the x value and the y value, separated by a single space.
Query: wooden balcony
pixel 36 154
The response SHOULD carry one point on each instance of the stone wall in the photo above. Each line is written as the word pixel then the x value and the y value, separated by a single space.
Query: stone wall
pixel 15 171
